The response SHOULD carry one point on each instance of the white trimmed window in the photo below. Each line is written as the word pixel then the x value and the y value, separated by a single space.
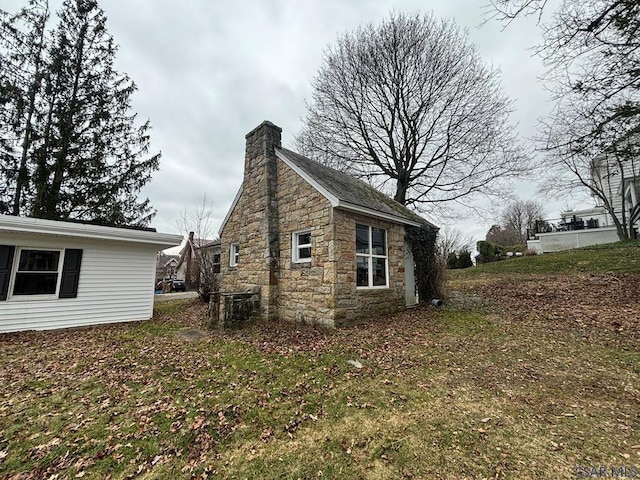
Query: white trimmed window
pixel 37 272
pixel 301 243
pixel 234 254
pixel 371 257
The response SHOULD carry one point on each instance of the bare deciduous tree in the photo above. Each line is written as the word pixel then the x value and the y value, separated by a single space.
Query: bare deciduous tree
pixel 507 10
pixel 592 51
pixel 503 236
pixel 451 240
pixel 409 106
pixel 520 215
pixel 606 164
pixel 202 268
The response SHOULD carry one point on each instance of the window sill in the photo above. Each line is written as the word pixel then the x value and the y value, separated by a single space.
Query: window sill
pixel 302 260
pixel 26 298
pixel 377 287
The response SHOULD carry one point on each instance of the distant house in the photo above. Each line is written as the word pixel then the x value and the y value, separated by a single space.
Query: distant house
pixel 319 245
pixel 620 183
pixel 167 266
pixel 66 274
pixel 193 247
pixel 213 249
pixel 592 226
pixel 575 229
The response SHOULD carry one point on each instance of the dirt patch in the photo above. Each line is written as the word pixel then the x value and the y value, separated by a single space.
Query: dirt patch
pixel 191 334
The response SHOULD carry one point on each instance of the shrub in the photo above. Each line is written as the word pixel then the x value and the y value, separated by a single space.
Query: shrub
pixel 452 261
pixel 489 252
pixel 429 272
pixel 464 260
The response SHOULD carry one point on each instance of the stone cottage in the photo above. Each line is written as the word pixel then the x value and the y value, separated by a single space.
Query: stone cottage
pixel 321 246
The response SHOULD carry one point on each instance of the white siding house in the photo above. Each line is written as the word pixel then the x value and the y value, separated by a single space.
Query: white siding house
pixel 617 184
pixel 63 274
pixel 621 187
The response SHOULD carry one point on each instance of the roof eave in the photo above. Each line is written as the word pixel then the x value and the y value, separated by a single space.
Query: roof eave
pixel 375 213
pixel 38 226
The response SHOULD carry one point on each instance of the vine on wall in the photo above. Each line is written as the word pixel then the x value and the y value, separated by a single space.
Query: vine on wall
pixel 429 275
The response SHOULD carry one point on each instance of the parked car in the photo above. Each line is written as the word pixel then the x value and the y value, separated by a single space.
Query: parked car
pixel 178 285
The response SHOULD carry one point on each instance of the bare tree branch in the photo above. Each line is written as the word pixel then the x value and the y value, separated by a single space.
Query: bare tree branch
pixel 408 106
pixel 590 140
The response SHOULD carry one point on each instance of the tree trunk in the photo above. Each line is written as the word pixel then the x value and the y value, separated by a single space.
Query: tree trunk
pixel 22 179
pixel 402 185
pixel 66 130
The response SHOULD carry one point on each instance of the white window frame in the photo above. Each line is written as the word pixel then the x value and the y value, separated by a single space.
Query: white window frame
pixel 370 256
pixel 234 254
pixel 296 247
pixel 14 271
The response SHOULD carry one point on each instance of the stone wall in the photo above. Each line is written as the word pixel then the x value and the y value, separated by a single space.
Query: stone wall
pixel 353 303
pixel 274 203
pixel 305 288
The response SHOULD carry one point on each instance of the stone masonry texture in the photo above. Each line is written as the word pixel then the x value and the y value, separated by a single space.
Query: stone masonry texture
pixel 274 203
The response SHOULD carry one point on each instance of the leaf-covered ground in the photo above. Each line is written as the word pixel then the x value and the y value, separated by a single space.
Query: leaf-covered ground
pixel 519 376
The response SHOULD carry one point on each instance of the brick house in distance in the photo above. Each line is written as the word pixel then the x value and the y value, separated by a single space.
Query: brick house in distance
pixel 322 246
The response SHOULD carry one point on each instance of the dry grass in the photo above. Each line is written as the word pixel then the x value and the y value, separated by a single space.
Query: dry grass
pixel 520 385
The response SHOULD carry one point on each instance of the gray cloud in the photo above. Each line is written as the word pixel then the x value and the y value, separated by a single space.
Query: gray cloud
pixel 210 71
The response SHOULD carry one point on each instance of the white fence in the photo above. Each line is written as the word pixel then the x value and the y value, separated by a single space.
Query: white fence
pixel 558 241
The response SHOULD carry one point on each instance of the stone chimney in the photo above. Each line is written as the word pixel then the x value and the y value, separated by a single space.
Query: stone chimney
pixel 261 174
pixel 261 143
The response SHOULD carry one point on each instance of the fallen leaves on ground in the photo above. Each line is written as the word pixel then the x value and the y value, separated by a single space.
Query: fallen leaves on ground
pixel 130 399
pixel 587 300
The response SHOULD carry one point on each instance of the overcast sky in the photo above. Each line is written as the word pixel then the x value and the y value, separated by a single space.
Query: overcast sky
pixel 210 71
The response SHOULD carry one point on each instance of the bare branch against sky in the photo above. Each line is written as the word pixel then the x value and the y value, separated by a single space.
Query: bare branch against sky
pixel 408 105
pixel 209 72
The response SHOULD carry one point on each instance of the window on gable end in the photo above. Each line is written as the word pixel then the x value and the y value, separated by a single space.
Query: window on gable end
pixel 234 254
pixel 301 246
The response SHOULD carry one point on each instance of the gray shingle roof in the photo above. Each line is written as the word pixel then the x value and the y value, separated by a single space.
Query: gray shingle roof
pixel 350 190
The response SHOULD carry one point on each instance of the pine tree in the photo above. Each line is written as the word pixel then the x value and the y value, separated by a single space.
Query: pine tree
pixel 87 157
pixel 22 49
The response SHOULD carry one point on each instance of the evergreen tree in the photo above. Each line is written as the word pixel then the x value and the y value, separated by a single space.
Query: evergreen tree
pixel 22 49
pixel 464 260
pixel 90 159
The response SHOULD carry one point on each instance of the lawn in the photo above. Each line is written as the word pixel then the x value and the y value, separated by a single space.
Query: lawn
pixel 529 371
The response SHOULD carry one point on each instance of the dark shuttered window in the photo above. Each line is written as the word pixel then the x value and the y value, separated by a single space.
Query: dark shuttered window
pixel 39 272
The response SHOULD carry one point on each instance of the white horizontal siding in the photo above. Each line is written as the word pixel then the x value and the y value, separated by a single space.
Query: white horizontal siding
pixel 115 285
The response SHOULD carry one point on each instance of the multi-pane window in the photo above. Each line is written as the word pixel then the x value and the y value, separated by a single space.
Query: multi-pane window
pixel 234 254
pixel 301 243
pixel 371 256
pixel 37 272
pixel 29 273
